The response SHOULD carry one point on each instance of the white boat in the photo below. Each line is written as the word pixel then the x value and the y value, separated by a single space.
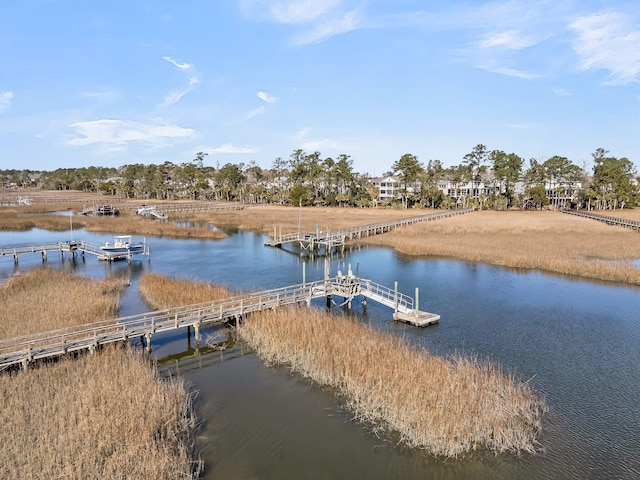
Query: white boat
pixel 122 244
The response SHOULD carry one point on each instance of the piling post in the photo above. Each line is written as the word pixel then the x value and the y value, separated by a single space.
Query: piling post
pixel 44 256
pixel 304 274
pixel 15 258
pixel 196 328
pixel 148 335
pixel 417 299
pixel 395 297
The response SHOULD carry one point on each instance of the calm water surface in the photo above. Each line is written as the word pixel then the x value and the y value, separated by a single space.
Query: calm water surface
pixel 576 342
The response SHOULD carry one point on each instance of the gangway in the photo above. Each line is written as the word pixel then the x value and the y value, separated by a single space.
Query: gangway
pixel 27 348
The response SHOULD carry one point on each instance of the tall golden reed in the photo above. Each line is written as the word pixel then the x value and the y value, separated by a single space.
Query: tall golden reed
pixel 44 299
pixel 445 407
pixel 105 415
pixel 159 291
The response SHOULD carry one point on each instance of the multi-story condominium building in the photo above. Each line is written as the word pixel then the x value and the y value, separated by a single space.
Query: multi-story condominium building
pixel 559 192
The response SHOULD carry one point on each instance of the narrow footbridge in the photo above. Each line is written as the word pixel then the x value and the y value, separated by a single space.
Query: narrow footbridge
pixel 621 222
pixel 161 211
pixel 337 238
pixel 70 247
pixel 25 349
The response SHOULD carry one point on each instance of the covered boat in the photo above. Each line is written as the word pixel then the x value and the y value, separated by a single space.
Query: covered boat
pixel 122 244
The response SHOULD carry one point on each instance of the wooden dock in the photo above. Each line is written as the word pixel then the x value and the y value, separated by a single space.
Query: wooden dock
pixel 71 247
pixel 161 211
pixel 25 349
pixel 608 219
pixel 330 240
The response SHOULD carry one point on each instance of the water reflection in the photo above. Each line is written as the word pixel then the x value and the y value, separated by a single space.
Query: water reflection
pixel 574 341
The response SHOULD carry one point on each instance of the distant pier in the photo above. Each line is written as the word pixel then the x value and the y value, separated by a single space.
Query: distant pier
pixel 608 219
pixel 71 247
pixel 329 241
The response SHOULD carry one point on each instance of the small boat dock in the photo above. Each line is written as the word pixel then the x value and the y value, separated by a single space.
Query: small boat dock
pixel 329 241
pixel 71 247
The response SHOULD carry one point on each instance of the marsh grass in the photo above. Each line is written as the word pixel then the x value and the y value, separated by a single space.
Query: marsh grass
pixel 105 415
pixel 447 407
pixel 44 299
pixel 265 217
pixel 549 241
pixel 159 291
pixel 125 224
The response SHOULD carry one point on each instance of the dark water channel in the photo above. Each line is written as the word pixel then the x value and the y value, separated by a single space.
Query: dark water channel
pixel 576 342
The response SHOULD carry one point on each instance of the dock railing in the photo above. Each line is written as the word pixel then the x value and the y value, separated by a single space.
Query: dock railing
pixel 27 348
pixel 608 219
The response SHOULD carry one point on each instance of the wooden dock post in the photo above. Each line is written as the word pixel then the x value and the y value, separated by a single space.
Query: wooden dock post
pixel 417 300
pixel 148 338
pixel 395 297
pixel 304 274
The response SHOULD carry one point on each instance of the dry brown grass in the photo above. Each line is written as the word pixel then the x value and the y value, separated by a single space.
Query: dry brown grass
pixel 45 299
pixel 445 407
pixel 105 415
pixel 265 217
pixel 550 241
pixel 125 224
pixel 159 291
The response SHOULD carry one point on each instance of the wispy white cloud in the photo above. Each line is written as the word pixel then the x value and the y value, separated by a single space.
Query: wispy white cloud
pixel 5 100
pixel 301 11
pixel 122 132
pixel 174 96
pixel 608 41
pixel 327 29
pixel 317 19
pixel 229 148
pixel 265 97
pixel 310 144
pixel 177 64
pixel 255 112
pixel 509 40
pixel 511 72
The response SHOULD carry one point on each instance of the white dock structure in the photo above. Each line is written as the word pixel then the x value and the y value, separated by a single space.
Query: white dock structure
pixel 71 247
pixel 330 240
pixel 28 348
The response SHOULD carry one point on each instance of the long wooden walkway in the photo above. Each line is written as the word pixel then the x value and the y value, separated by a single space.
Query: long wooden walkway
pixel 161 211
pixel 608 219
pixel 71 247
pixel 337 238
pixel 25 349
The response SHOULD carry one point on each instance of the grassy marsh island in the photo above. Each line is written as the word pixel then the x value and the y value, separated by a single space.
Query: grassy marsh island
pixel 537 240
pixel 445 406
pixel 540 240
pixel 101 415
pixel 19 219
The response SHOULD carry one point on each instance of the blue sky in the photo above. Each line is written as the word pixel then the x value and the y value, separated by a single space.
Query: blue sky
pixel 110 83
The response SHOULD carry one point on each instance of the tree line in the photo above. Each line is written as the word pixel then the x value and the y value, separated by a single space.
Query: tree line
pixel 498 180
